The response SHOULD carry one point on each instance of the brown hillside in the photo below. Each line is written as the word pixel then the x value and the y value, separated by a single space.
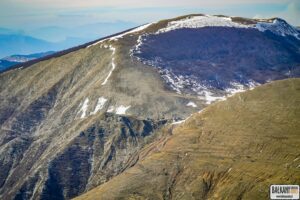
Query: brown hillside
pixel 234 149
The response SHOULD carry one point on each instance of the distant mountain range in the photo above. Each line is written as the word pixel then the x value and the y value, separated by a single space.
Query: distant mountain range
pixel 23 44
pixel 12 60
pixel 85 32
pixel 54 38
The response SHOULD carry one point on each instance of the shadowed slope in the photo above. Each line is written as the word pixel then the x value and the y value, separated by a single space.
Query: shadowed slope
pixel 234 149
pixel 72 121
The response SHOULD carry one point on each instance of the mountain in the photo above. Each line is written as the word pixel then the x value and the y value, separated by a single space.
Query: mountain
pixel 76 119
pixel 4 64
pixel 54 38
pixel 9 61
pixel 25 58
pixel 85 32
pixel 21 44
pixel 12 44
pixel 233 149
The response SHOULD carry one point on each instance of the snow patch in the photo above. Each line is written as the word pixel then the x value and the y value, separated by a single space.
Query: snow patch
pixel 178 122
pixel 209 97
pixel 200 22
pixel 175 82
pixel 112 63
pixel 98 42
pixel 110 109
pixel 115 38
pixel 181 121
pixel 137 47
pixel 236 88
pixel 121 110
pixel 191 104
pixel 84 108
pixel 252 84
pixel 278 27
pixel 138 29
pixel 100 104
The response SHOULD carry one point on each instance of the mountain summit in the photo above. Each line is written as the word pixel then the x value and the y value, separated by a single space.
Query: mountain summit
pixel 74 120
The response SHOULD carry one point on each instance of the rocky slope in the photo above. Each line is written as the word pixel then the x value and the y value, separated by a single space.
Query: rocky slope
pixel 233 149
pixel 73 120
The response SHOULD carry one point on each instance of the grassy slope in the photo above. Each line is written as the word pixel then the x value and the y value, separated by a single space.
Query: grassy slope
pixel 234 149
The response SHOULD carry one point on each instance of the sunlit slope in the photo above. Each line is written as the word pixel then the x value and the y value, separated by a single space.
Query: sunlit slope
pixel 89 110
pixel 45 107
pixel 234 149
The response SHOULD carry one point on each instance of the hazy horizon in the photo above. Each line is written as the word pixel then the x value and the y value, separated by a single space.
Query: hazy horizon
pixel 26 15
pixel 75 21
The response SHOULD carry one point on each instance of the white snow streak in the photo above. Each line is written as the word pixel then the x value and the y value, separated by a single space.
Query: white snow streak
pixel 209 98
pixel 138 29
pixel 178 122
pixel 181 121
pixel 112 63
pixel 114 38
pixel 191 104
pixel 236 88
pixel 98 42
pixel 111 109
pixel 278 27
pixel 84 108
pixel 200 22
pixel 100 104
pixel 121 110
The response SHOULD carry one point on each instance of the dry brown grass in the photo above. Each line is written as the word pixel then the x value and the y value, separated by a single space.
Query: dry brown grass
pixel 232 150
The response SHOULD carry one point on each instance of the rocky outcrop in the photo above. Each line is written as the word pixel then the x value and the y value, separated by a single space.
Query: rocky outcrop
pixel 93 156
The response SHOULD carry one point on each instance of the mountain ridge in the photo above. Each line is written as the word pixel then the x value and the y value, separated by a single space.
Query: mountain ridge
pixel 236 19
pixel 100 103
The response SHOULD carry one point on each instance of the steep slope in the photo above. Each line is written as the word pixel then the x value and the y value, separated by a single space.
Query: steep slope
pixel 45 107
pixel 233 149
pixel 90 109
pixel 210 56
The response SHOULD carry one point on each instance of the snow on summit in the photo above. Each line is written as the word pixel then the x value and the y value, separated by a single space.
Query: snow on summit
pixel 276 26
pixel 279 27
pixel 201 21
pixel 115 38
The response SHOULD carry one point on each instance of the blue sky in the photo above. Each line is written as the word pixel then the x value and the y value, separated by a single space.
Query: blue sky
pixel 29 15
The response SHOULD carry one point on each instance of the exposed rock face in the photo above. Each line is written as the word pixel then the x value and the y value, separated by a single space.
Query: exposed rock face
pixel 73 121
pixel 233 149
